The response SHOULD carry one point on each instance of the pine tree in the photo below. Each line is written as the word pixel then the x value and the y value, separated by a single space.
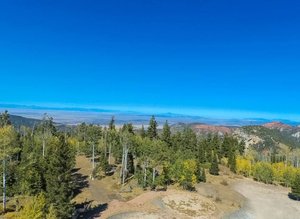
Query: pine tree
pixel 166 134
pixel 111 125
pixel 143 132
pixel 59 184
pixel 203 176
pixel 128 128
pixel 31 175
pixel 226 146
pixel 232 161
pixel 152 129
pixel 214 168
pixel 130 165
pixel 241 147
pixel 189 140
pixel 4 119
pixel 296 186
pixel 201 152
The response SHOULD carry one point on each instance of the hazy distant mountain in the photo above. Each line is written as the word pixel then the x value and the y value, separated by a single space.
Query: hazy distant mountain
pixel 76 115
pixel 19 120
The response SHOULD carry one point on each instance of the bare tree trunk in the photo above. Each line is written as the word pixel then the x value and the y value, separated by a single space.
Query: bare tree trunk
pixel 105 142
pixel 125 165
pixel 153 175
pixel 32 131
pixel 145 173
pixel 93 158
pixel 65 136
pixel 77 147
pixel 4 185
pixel 44 145
pixel 109 154
pixel 121 171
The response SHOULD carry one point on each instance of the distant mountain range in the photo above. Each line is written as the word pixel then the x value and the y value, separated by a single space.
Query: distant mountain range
pixel 267 136
pixel 19 121
pixel 75 115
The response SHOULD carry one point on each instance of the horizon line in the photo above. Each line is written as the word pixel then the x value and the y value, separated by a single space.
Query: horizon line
pixel 154 110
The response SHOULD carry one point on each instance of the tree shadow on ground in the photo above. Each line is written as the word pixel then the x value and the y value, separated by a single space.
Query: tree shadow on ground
pixel 87 212
pixel 81 181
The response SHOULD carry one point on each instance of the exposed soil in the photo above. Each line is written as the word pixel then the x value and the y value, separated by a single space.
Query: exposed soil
pixel 225 196
pixel 213 199
pixel 265 201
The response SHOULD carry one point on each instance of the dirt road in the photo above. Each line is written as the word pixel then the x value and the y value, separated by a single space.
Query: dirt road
pixel 265 201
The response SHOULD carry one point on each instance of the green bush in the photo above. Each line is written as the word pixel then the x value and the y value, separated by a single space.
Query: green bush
pixel 263 172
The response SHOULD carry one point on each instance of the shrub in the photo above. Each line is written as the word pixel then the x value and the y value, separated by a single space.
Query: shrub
pixel 263 172
pixel 243 166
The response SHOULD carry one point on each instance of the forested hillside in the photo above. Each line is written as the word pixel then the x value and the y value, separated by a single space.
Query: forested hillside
pixel 272 137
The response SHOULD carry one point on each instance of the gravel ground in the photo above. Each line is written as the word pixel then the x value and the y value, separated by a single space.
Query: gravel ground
pixel 265 201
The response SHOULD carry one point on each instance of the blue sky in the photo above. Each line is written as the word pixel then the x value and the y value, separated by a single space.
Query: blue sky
pixel 179 56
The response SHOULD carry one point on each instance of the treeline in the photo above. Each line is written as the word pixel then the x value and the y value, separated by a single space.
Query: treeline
pixel 279 173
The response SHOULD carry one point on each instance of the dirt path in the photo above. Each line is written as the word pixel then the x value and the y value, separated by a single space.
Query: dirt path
pixel 159 205
pixel 265 201
pixel 93 193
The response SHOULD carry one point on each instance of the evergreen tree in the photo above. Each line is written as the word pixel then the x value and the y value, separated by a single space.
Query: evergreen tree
pixel 152 129
pixel 296 186
pixel 214 168
pixel 189 140
pixel 4 119
pixel 201 152
pixel 207 149
pixel 128 128
pixel 143 132
pixel 232 161
pixel 226 146
pixel 166 134
pixel 165 178
pixel 31 175
pixel 111 125
pixel 241 147
pixel 59 184
pixel 130 165
pixel 203 176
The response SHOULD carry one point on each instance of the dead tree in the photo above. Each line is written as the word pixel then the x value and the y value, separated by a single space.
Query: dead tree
pixel 145 172
pixel 4 185
pixel 124 170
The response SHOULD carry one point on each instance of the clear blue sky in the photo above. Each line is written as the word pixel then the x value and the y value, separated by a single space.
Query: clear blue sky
pixel 188 55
